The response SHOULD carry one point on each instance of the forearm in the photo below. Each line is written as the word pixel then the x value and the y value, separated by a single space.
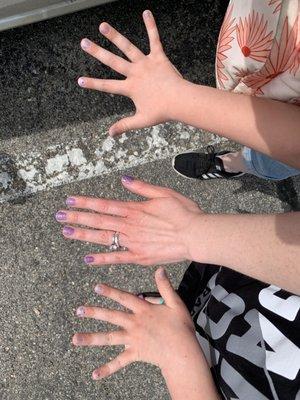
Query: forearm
pixel 265 125
pixel 265 247
pixel 189 377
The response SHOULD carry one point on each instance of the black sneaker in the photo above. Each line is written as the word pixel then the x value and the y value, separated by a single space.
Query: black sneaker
pixel 202 166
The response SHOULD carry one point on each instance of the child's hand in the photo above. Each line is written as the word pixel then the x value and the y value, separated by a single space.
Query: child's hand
pixel 152 82
pixel 162 335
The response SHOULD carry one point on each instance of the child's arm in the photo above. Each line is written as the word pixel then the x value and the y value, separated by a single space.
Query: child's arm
pixel 161 94
pixel 162 335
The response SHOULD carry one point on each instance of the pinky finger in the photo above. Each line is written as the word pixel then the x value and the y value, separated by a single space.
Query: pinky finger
pixel 114 86
pixel 121 361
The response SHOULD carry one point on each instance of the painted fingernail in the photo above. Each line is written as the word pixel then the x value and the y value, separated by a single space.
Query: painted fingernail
pixel 147 13
pixel 89 259
pixel 81 82
pixel 162 273
pixel 68 230
pixel 78 339
pixel 127 179
pixel 112 132
pixel 85 43
pixel 80 311
pixel 141 296
pixel 98 289
pixel 104 28
pixel 96 375
pixel 70 201
pixel 60 216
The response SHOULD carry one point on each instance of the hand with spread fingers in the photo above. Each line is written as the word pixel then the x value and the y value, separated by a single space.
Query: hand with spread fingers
pixel 152 82
pixel 163 335
pixel 148 232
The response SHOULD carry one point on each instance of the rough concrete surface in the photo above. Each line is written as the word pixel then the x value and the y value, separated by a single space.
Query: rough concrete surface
pixel 42 276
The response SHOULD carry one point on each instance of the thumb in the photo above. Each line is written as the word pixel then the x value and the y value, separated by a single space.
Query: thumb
pixel 166 289
pixel 126 124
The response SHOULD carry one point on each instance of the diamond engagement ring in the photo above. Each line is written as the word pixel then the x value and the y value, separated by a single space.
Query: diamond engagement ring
pixel 116 243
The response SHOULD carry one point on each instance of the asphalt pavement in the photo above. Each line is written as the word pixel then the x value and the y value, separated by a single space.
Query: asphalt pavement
pixel 44 115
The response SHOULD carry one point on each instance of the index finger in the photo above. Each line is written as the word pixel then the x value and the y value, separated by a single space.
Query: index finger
pixel 128 300
pixel 103 206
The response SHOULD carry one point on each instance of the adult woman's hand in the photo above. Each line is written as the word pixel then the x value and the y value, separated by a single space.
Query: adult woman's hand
pixel 154 231
pixel 152 82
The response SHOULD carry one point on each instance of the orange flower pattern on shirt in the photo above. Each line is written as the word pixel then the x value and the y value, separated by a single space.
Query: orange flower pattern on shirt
pixel 277 4
pixel 225 39
pixel 282 58
pixel 260 54
pixel 252 37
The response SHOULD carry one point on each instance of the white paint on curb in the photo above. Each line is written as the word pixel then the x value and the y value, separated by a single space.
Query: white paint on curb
pixel 85 158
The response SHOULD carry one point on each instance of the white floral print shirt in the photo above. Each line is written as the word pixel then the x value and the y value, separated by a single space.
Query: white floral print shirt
pixel 258 51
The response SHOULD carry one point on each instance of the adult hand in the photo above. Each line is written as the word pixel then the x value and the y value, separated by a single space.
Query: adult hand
pixel 163 335
pixel 152 82
pixel 154 231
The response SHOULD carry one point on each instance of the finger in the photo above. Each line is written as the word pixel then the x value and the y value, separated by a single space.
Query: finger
pixel 93 236
pixel 92 220
pixel 103 206
pixel 136 121
pixel 128 300
pixel 121 361
pixel 115 317
pixel 150 191
pixel 145 189
pixel 165 288
pixel 128 48
pixel 113 338
pixel 113 61
pixel 113 258
pixel 104 85
pixel 154 39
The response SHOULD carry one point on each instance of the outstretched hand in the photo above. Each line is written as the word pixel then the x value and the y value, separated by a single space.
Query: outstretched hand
pixel 152 82
pixel 154 231
pixel 141 329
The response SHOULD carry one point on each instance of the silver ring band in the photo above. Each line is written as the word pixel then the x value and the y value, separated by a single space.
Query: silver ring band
pixel 116 243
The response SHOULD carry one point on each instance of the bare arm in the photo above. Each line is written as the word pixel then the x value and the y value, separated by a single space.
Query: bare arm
pixel 269 126
pixel 265 247
pixel 161 94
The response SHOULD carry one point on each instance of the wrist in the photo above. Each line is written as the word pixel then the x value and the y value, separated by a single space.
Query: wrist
pixel 199 241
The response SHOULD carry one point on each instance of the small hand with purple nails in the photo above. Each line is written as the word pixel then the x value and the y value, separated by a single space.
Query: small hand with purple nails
pixel 141 329
pixel 154 231
pixel 152 82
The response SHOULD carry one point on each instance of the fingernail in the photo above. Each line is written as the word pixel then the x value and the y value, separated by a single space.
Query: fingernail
pixel 80 311
pixel 98 289
pixel 68 231
pixel 147 14
pixel 89 259
pixel 127 179
pixel 141 296
pixel 85 43
pixel 78 339
pixel 70 201
pixel 104 28
pixel 112 132
pixel 61 216
pixel 81 82
pixel 162 273
pixel 96 375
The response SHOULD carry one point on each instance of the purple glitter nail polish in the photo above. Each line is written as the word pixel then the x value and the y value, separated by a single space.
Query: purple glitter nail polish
pixel 68 231
pixel 127 179
pixel 70 201
pixel 89 259
pixel 80 311
pixel 61 216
